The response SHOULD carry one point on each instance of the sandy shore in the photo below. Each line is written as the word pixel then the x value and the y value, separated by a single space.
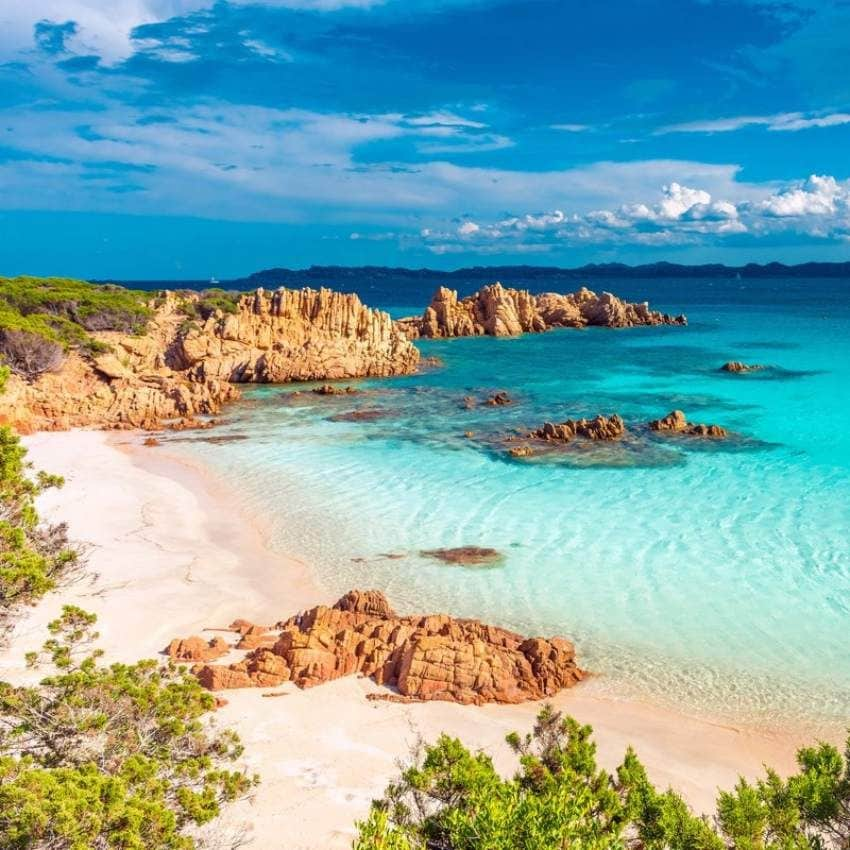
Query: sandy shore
pixel 169 556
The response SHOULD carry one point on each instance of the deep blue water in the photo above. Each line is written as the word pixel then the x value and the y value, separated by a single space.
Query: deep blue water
pixel 712 575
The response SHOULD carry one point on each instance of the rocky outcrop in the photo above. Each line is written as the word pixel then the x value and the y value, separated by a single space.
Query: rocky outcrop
pixel 432 657
pixel 676 422
pixel 498 311
pixel 297 335
pixel 133 383
pixel 739 368
pixel 181 369
pixel 600 428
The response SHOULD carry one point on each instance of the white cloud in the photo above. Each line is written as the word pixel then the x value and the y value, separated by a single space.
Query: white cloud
pixel 780 122
pixel 818 207
pixel 817 196
pixel 570 128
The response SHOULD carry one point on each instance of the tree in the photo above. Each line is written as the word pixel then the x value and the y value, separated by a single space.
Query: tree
pixel 97 757
pixel 451 799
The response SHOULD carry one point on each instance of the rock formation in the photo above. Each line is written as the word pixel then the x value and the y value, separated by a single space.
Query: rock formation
pixel 432 657
pixel 179 370
pixel 467 556
pixel 676 422
pixel 600 428
pixel 498 311
pixel 197 649
pixel 297 335
pixel 737 367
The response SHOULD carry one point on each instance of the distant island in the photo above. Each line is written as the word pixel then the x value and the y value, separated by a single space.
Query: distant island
pixel 315 275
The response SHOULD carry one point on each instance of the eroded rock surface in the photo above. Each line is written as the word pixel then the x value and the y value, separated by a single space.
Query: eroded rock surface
pixel 298 335
pixel 432 657
pixel 179 370
pixel 197 649
pixel 676 422
pixel 495 310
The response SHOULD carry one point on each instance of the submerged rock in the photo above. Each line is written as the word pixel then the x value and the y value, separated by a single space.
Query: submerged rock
pixel 469 556
pixel 434 657
pixel 599 428
pixel 330 389
pixel 676 422
pixel 495 310
pixel 737 367
pixel 499 399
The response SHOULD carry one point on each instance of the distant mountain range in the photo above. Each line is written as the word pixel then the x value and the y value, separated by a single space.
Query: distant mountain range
pixel 317 274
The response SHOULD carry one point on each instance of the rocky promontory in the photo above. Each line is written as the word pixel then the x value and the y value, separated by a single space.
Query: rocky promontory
pixel 184 361
pixel 495 310
pixel 433 657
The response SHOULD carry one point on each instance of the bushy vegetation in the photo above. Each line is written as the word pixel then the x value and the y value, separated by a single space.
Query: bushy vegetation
pixel 210 300
pixel 113 757
pixel 34 556
pixel 452 799
pixel 41 318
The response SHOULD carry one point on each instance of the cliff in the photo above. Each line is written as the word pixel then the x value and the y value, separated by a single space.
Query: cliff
pixel 184 361
pixel 498 311
pixel 297 335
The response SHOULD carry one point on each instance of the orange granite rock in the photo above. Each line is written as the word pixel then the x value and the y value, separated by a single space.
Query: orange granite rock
pixel 197 649
pixel 676 422
pixel 421 657
pixel 179 370
pixel 599 428
pixel 495 310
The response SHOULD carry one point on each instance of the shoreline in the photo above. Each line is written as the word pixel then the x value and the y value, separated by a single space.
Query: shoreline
pixel 169 556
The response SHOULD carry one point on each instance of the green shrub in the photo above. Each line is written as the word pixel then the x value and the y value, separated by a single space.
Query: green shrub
pixel 451 799
pixel 33 555
pixel 42 317
pixel 109 757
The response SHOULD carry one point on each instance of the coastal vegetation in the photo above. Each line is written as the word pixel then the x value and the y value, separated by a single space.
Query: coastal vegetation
pixel 41 319
pixel 451 799
pixel 33 555
pixel 113 756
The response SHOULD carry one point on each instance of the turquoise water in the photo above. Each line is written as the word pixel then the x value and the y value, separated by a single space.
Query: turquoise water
pixel 713 576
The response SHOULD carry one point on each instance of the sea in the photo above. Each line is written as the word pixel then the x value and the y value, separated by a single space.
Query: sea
pixel 712 576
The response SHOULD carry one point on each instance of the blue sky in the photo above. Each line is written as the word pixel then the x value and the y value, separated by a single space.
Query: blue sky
pixel 191 138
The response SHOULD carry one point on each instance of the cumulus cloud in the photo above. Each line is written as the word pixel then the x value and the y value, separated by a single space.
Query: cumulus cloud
pixel 818 207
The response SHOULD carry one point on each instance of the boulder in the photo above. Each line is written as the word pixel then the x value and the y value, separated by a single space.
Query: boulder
pixel 737 367
pixel 197 649
pixel 676 422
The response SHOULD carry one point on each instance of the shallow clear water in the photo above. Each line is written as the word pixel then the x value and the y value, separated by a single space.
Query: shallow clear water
pixel 710 575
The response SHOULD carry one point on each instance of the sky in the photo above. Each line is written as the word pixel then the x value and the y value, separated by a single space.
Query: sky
pixel 159 139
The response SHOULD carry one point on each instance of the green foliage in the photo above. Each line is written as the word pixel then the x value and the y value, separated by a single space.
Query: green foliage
pixel 451 799
pixel 109 757
pixel 63 312
pixel 202 305
pixel 33 556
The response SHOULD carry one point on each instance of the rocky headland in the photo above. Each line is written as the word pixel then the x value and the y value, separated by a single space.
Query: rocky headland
pixel 495 310
pixel 420 658
pixel 181 366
